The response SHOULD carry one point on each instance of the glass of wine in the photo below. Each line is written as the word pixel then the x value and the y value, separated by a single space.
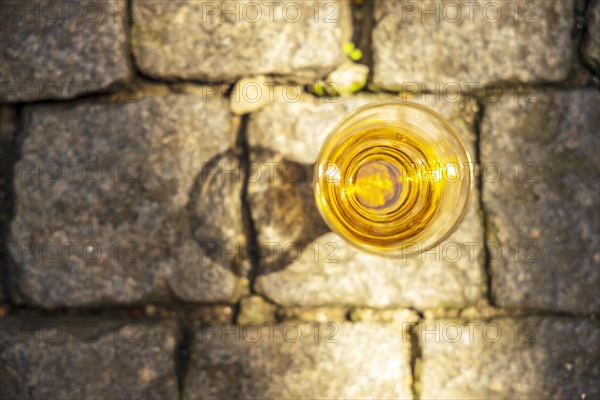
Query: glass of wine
pixel 393 178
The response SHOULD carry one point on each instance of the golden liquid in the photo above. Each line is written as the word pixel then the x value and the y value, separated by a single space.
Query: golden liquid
pixel 393 178
pixel 383 185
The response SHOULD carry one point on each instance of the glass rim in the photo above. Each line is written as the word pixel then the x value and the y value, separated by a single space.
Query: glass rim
pixel 448 128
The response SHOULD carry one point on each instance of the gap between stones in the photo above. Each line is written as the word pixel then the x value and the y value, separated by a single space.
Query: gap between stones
pixel 363 22
pixel 183 352
pixel 7 267
pixel 580 34
pixel 243 149
pixel 415 359
pixel 484 217
pixel 128 37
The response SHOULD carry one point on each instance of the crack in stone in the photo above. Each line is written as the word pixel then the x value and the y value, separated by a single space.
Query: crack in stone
pixel 7 267
pixel 183 352
pixel 484 217
pixel 415 359
pixel 363 22
pixel 253 251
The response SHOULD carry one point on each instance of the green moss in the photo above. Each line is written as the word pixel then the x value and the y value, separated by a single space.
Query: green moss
pixel 321 88
pixel 356 86
pixel 352 51
pixel 356 316
pixel 348 47
pixel 356 54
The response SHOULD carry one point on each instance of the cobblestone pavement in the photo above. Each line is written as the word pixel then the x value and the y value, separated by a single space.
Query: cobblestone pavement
pixel 159 233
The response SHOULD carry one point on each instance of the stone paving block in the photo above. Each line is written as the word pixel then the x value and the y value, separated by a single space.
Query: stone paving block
pixel 303 265
pixel 449 42
pixel 84 358
pixel 331 272
pixel 294 125
pixel 124 203
pixel 540 191
pixel 299 361
pixel 219 41
pixel 591 43
pixel 284 139
pixel 282 207
pixel 60 50
pixel 215 214
pixel 532 358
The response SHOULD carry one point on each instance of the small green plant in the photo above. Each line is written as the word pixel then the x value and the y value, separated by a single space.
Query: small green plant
pixel 321 88
pixel 352 51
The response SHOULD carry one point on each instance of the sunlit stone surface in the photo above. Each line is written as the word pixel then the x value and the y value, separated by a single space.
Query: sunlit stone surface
pixel 527 358
pixel 326 270
pixel 293 360
pixel 489 41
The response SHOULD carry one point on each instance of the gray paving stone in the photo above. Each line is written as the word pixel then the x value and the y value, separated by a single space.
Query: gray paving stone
pixel 215 214
pixel 330 272
pixel 533 358
pixel 283 209
pixel 303 265
pixel 285 138
pixel 591 43
pixel 299 361
pixel 222 41
pixel 543 206
pixel 77 359
pixel 136 215
pixel 450 42
pixel 296 124
pixel 72 49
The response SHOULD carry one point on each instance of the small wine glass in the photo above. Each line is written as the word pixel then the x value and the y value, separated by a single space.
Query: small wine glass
pixel 393 178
